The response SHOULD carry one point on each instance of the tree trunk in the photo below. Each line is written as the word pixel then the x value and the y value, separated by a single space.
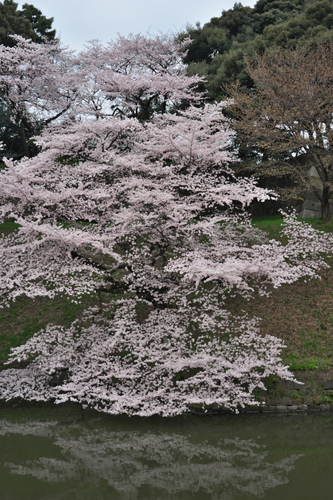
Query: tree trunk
pixel 325 205
pixel 24 141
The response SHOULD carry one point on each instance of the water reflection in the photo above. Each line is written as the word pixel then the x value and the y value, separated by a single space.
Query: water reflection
pixel 132 459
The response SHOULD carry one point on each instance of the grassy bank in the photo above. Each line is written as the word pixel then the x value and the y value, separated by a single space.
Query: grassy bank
pixel 301 314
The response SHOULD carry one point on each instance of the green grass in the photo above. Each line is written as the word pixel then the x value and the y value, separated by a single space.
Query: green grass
pixel 8 227
pixel 271 225
pixel 25 317
pixel 296 362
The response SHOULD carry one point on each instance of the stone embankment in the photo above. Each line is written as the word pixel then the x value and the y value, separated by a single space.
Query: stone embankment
pixel 316 393
pixel 282 396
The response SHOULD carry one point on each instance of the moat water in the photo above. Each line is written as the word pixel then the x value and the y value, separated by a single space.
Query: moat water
pixel 55 454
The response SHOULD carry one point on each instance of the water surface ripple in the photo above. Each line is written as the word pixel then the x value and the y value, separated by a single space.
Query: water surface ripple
pixel 55 454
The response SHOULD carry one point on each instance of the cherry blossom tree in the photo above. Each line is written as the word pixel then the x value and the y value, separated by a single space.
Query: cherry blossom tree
pixel 123 366
pixel 38 83
pixel 137 76
pixel 150 213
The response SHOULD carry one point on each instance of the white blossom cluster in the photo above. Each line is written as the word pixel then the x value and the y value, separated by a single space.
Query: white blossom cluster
pixel 121 366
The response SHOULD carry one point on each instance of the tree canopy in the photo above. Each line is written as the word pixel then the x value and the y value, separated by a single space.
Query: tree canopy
pixel 36 87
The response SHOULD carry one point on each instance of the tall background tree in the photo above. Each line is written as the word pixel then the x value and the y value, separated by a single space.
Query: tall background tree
pixel 287 118
pixel 219 46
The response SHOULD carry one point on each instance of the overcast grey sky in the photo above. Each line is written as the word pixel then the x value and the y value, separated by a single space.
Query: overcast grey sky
pixel 77 21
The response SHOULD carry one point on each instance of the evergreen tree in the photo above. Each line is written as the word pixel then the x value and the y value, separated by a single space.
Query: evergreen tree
pixel 40 24
pixel 28 22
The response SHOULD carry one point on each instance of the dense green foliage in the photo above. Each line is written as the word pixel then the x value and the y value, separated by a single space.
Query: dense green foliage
pixel 218 48
pixel 28 22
